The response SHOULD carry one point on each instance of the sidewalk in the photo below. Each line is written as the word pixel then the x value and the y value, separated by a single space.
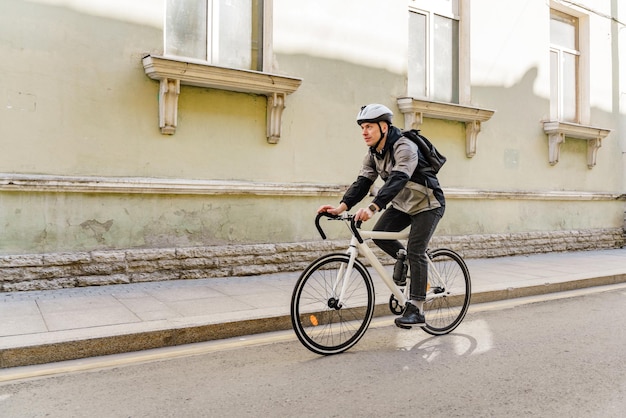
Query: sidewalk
pixel 54 325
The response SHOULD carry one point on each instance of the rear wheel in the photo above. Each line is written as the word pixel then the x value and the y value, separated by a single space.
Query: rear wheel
pixel 322 323
pixel 449 292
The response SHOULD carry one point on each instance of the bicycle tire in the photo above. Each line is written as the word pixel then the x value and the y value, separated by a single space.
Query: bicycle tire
pixel 319 324
pixel 446 307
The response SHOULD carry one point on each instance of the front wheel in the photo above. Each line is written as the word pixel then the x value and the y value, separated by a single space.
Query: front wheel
pixel 449 292
pixel 323 323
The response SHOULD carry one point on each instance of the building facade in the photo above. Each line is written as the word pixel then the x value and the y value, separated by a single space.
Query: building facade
pixel 177 139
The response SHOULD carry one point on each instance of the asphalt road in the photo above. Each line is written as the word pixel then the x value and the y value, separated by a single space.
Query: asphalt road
pixel 548 358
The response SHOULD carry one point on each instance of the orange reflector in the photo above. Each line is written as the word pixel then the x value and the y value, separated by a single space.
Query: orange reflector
pixel 313 320
pixel 427 287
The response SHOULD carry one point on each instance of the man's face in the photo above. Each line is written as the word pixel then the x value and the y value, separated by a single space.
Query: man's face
pixel 371 133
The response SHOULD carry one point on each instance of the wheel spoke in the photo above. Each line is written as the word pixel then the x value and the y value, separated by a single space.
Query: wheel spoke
pixel 450 292
pixel 320 324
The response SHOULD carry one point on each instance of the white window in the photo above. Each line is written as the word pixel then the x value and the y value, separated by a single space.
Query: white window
pixel 227 33
pixel 564 67
pixel 434 48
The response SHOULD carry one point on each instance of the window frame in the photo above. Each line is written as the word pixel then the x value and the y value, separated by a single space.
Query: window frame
pixel 558 129
pixel 263 63
pixel 172 71
pixel 583 76
pixel 415 109
pixel 430 10
pixel 558 109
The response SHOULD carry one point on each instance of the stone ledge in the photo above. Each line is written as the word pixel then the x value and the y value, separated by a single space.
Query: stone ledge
pixel 65 270
pixel 43 183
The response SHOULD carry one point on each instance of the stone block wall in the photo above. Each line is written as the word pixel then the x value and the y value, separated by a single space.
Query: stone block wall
pixel 96 268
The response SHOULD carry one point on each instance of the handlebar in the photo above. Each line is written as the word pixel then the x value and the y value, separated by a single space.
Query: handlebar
pixel 317 222
pixel 354 225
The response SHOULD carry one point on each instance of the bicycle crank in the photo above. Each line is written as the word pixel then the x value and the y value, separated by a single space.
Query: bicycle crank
pixel 394 305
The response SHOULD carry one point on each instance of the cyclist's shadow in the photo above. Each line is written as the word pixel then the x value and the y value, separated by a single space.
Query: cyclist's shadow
pixel 450 345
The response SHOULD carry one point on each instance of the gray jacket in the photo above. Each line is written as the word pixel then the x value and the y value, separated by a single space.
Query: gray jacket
pixel 405 187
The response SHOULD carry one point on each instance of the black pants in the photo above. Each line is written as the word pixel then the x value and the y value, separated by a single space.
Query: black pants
pixel 423 226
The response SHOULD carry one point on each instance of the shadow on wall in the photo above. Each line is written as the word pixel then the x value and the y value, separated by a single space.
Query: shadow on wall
pixel 516 132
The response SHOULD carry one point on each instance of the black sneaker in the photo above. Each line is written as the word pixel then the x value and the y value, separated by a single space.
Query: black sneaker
pixel 411 316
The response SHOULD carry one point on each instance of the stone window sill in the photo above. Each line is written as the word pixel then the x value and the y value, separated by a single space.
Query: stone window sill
pixel 171 73
pixel 557 131
pixel 415 111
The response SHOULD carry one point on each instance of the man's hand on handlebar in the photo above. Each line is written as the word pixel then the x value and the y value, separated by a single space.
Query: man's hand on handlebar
pixel 363 214
pixel 333 210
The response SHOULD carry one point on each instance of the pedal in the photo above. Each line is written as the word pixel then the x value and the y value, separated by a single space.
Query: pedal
pixel 394 305
pixel 403 326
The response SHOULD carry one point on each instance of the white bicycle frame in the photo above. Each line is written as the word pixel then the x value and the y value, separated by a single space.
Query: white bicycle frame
pixel 357 247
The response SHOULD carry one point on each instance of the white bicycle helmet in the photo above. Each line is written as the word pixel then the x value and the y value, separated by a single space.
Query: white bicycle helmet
pixel 374 113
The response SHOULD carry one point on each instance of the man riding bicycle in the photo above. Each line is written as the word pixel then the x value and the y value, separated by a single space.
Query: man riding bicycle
pixel 415 197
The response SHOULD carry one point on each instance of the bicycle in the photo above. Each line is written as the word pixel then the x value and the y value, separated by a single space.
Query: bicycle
pixel 333 304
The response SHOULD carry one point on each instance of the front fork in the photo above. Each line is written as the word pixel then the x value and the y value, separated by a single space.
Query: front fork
pixel 344 273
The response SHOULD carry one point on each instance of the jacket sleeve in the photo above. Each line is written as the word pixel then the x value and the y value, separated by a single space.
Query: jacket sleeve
pixel 357 191
pixel 395 182
pixel 361 187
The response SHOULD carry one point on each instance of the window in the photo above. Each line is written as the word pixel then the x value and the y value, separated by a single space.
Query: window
pixel 227 33
pixel 564 67
pixel 570 112
pixel 433 59
pixel 218 44
pixel 438 84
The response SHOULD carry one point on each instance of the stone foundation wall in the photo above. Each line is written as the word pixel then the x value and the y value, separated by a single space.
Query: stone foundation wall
pixel 63 270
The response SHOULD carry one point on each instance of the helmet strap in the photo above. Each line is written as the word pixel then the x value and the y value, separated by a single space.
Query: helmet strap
pixel 382 135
